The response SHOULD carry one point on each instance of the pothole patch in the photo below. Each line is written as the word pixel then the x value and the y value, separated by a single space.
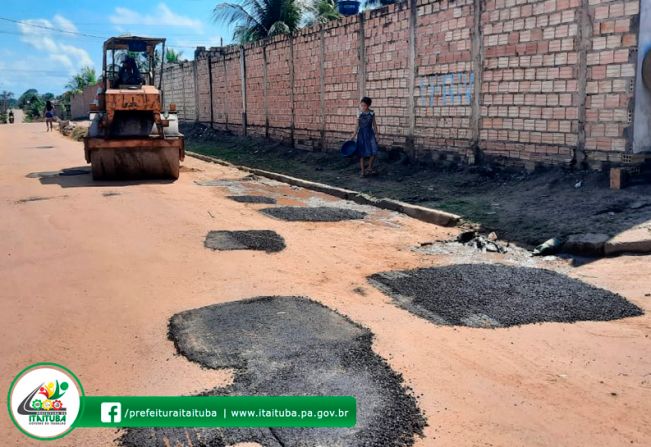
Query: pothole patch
pixel 291 346
pixel 494 295
pixel 313 214
pixel 253 199
pixel 264 240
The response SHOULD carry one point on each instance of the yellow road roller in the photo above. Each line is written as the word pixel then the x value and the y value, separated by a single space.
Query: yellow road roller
pixel 130 135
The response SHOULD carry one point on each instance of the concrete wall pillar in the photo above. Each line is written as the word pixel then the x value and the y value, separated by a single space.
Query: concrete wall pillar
pixel 265 90
pixel 322 87
pixel 212 112
pixel 361 58
pixel 411 80
pixel 477 51
pixel 584 44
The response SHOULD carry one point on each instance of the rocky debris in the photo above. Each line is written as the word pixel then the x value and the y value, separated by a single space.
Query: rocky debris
pixel 588 244
pixel 549 247
pixel 313 214
pixel 473 238
pixel 264 240
pixel 290 346
pixel 253 199
pixel 495 295
pixel 76 130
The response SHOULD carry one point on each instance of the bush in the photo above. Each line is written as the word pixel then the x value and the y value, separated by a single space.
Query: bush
pixel 79 132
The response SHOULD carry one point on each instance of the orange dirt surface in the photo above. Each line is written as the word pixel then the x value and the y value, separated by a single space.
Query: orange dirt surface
pixel 90 278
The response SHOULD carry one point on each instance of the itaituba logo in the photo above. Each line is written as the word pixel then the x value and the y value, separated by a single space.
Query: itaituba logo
pixel 44 400
pixel 44 405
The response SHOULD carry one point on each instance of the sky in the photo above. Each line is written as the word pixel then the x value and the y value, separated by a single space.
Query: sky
pixel 44 43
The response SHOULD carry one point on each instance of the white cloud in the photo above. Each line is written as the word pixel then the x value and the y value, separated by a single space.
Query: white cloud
pixel 162 16
pixel 34 32
pixel 64 24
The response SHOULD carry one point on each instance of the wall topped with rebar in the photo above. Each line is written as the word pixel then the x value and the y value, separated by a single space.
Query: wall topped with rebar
pixel 539 80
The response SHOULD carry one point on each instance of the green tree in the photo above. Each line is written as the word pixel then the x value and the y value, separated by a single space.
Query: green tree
pixel 172 56
pixel 35 107
pixel 6 100
pixel 81 80
pixel 27 97
pixel 256 19
pixel 321 11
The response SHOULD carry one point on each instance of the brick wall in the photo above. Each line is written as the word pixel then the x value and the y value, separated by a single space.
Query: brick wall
pixel 539 80
pixel 178 85
pixel 611 62
pixel 445 76
pixel 80 103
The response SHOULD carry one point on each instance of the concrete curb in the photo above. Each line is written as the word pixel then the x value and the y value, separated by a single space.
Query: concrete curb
pixel 429 215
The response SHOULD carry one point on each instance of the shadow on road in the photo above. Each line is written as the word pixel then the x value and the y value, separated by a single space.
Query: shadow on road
pixel 79 176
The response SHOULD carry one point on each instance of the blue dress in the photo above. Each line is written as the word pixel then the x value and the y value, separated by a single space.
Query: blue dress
pixel 366 142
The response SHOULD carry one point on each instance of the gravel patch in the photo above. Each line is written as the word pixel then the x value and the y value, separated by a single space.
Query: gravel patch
pixel 264 240
pixel 291 346
pixel 494 295
pixel 253 199
pixel 313 214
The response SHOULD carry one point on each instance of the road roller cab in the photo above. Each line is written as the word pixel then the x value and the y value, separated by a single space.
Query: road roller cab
pixel 131 136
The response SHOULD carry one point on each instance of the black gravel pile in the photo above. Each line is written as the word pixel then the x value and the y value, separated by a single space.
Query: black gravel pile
pixel 491 295
pixel 253 199
pixel 313 214
pixel 264 240
pixel 291 346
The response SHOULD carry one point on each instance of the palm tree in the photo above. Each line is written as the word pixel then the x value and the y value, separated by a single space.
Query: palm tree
pixel 256 19
pixel 321 11
pixel 172 56
pixel 81 80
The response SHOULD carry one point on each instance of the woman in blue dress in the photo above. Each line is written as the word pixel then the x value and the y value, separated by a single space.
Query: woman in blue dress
pixel 365 132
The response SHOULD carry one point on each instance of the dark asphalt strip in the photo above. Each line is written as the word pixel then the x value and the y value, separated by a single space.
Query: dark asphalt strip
pixel 265 240
pixel 291 346
pixel 313 214
pixel 253 199
pixel 493 295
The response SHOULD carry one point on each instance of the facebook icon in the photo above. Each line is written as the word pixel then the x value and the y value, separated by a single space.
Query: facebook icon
pixel 111 412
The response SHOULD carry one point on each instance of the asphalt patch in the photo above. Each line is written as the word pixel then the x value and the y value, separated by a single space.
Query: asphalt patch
pixel 265 240
pixel 494 295
pixel 313 214
pixel 290 346
pixel 253 199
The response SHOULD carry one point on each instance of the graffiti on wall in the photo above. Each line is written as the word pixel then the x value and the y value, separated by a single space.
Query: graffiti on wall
pixel 446 89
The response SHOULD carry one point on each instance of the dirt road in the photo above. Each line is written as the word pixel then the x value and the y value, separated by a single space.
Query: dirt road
pixel 91 274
